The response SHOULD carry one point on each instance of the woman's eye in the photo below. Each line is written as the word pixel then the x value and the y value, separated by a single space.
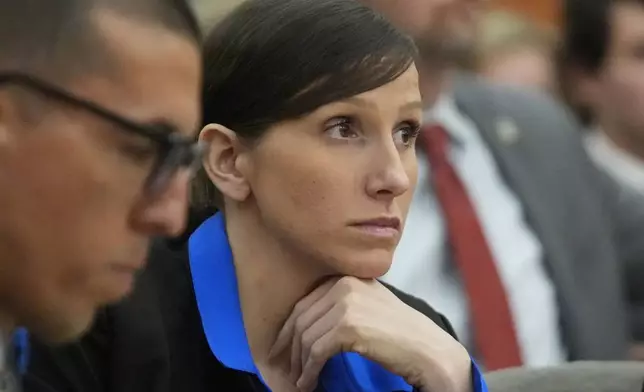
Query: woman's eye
pixel 406 135
pixel 343 129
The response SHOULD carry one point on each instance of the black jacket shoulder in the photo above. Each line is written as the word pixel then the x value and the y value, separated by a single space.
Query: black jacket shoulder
pixel 422 307
pixel 152 342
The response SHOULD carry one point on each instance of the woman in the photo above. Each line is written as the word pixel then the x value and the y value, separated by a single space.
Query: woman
pixel 311 111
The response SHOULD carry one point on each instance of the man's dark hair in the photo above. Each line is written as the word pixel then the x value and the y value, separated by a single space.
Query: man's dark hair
pixel 273 60
pixel 586 32
pixel 58 37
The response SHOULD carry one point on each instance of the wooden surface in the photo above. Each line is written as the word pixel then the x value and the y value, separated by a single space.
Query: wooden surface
pixel 545 12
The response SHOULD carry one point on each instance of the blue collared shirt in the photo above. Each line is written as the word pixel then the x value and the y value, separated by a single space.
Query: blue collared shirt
pixel 215 284
pixel 22 348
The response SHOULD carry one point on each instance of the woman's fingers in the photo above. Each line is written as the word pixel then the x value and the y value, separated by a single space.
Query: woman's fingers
pixel 285 336
pixel 330 320
pixel 320 351
pixel 307 322
pixel 352 315
pixel 296 361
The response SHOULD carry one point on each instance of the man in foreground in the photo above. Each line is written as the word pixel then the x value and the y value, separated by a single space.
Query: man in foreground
pixel 98 109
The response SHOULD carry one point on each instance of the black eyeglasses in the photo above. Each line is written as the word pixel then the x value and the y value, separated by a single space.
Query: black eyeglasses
pixel 176 152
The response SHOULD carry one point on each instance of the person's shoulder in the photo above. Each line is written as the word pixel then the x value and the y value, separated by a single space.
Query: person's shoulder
pixel 467 83
pixel 547 125
pixel 424 308
pixel 168 258
pixel 169 277
pixel 515 101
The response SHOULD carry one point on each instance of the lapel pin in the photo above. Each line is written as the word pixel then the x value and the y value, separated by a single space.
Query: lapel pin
pixel 507 131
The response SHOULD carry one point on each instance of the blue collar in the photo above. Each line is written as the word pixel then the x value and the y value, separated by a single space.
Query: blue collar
pixel 215 284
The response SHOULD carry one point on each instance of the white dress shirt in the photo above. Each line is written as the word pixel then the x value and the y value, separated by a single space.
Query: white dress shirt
pixel 422 263
pixel 625 168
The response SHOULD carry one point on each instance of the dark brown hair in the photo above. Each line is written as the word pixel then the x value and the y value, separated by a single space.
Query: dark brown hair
pixel 57 38
pixel 274 60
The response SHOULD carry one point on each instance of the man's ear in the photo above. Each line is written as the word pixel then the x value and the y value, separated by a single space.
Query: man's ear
pixel 222 161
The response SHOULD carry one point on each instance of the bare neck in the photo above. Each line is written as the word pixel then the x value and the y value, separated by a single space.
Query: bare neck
pixel 271 280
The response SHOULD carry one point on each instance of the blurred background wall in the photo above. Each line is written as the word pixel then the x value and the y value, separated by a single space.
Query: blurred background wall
pixel 543 12
pixel 212 9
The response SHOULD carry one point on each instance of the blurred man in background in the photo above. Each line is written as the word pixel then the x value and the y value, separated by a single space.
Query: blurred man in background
pixel 512 233
pixel 603 75
pixel 98 109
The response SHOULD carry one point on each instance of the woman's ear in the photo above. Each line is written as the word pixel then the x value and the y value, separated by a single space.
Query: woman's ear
pixel 224 152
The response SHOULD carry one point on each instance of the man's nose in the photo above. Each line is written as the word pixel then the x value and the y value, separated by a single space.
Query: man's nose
pixel 164 214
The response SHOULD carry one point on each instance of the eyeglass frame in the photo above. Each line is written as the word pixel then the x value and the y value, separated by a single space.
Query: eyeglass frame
pixel 175 151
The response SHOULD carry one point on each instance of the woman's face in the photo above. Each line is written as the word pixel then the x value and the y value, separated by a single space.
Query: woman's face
pixel 335 185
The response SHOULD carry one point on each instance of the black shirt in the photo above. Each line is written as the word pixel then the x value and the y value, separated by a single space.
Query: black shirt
pixel 153 341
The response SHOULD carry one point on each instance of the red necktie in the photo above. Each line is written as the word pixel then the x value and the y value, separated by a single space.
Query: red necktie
pixel 494 331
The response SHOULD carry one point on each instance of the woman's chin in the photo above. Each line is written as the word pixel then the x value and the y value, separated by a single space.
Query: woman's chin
pixel 366 265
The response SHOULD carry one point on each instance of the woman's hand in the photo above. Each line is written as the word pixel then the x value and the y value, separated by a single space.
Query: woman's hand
pixel 364 317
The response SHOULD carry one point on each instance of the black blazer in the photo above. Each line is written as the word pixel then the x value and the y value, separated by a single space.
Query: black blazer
pixel 153 341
